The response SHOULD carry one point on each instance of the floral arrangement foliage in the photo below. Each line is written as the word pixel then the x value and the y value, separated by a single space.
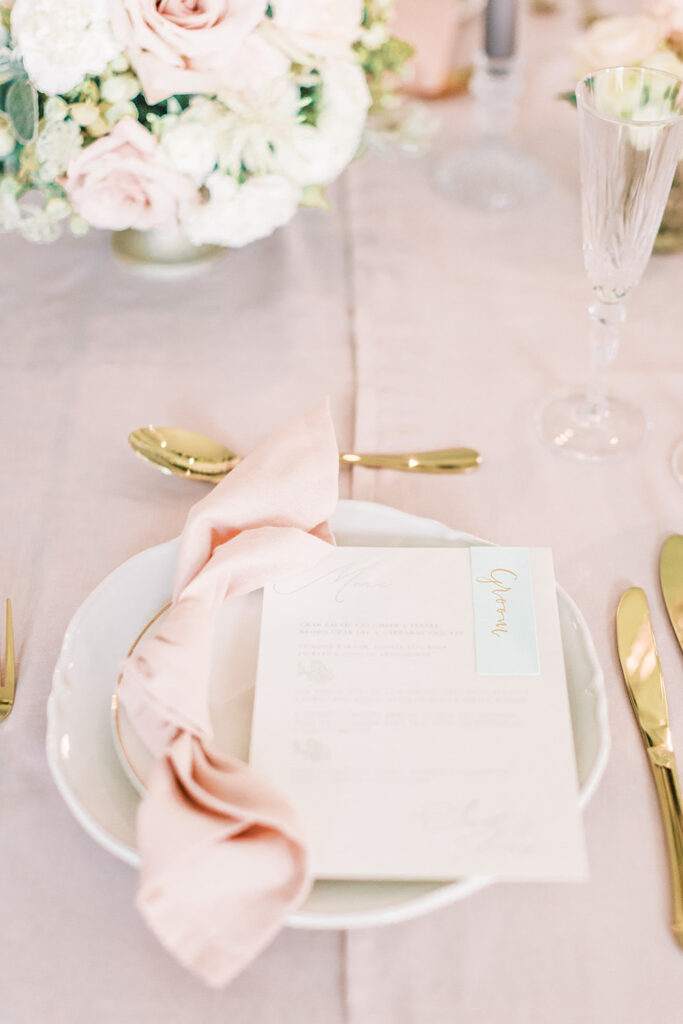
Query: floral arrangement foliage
pixel 652 39
pixel 221 116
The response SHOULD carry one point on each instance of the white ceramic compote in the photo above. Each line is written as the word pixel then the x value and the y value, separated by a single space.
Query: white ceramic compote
pixel 631 138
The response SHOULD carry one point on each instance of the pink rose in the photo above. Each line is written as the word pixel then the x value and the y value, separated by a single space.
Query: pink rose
pixel 669 13
pixel 122 181
pixel 195 46
pixel 322 27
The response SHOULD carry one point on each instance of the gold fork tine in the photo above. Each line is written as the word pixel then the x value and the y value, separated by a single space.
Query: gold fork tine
pixel 8 683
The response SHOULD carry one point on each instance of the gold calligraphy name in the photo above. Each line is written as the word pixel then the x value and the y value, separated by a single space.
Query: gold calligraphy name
pixel 498 591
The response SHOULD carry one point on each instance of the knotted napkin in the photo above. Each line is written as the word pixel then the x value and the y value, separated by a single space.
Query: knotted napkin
pixel 223 857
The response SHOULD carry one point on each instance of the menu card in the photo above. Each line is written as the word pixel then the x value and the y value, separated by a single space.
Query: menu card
pixel 412 704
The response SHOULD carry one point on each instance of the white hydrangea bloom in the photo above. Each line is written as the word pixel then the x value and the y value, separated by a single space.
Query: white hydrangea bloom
pixel 188 146
pixel 235 215
pixel 10 213
pixel 248 133
pixel 63 42
pixel 38 226
pixel 56 146
pixel 315 155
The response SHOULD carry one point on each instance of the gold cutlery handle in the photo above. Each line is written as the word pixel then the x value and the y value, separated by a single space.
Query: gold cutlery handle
pixel 665 775
pixel 8 677
pixel 446 460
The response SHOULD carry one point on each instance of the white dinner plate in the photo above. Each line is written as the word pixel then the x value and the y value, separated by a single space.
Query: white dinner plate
pixel 91 777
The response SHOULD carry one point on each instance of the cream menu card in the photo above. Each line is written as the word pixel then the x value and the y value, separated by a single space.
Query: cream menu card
pixel 412 703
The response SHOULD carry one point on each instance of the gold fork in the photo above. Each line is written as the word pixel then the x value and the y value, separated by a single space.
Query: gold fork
pixel 9 680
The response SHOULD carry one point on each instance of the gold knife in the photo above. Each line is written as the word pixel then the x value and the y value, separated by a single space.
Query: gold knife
pixel 671 576
pixel 645 685
pixel 8 679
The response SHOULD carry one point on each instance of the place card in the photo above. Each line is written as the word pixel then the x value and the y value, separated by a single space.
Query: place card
pixel 412 704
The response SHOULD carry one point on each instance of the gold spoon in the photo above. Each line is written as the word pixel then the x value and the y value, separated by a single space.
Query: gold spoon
pixel 199 458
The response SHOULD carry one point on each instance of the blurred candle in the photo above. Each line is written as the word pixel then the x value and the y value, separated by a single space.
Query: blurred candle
pixel 500 29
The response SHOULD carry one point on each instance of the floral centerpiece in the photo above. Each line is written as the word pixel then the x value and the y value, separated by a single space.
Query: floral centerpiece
pixel 219 116
pixel 653 39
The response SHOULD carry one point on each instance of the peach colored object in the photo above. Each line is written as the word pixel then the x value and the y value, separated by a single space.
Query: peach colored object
pixel 223 858
pixel 441 31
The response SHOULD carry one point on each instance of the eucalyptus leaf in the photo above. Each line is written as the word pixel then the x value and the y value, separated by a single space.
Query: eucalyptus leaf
pixel 10 62
pixel 21 105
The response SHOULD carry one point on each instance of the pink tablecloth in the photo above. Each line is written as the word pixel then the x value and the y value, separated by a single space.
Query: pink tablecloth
pixel 428 325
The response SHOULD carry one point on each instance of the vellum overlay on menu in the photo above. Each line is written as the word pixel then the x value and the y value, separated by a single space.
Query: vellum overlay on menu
pixel 412 703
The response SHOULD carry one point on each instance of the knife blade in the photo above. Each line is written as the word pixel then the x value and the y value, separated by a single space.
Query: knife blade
pixel 645 685
pixel 671 577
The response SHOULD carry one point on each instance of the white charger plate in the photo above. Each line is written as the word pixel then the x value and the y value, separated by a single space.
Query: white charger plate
pixel 90 774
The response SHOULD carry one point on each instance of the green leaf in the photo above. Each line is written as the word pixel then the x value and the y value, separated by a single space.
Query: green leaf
pixel 570 97
pixel 22 106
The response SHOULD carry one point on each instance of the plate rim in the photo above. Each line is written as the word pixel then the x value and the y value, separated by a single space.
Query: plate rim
pixel 443 894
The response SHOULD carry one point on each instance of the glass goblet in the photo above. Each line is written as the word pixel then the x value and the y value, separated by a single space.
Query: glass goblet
pixel 631 138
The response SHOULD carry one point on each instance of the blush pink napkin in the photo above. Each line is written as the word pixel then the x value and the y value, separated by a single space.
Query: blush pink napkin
pixel 223 857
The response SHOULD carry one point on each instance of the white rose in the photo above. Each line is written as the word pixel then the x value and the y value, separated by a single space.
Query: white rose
pixel 63 42
pixel 665 60
pixel 613 42
pixel 316 154
pixel 190 149
pixel 236 215
pixel 320 27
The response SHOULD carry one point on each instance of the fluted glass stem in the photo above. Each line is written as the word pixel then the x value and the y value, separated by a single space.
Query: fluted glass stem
pixel 606 321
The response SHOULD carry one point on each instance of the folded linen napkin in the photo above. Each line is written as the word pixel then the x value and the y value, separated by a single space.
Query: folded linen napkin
pixel 223 856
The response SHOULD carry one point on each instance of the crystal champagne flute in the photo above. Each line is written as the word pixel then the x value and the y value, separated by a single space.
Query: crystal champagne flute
pixel 631 137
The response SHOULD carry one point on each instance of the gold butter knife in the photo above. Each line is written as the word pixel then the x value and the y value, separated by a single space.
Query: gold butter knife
pixel 8 678
pixel 645 685
pixel 671 576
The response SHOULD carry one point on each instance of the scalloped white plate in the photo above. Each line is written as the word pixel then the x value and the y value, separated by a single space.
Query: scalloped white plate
pixel 88 770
